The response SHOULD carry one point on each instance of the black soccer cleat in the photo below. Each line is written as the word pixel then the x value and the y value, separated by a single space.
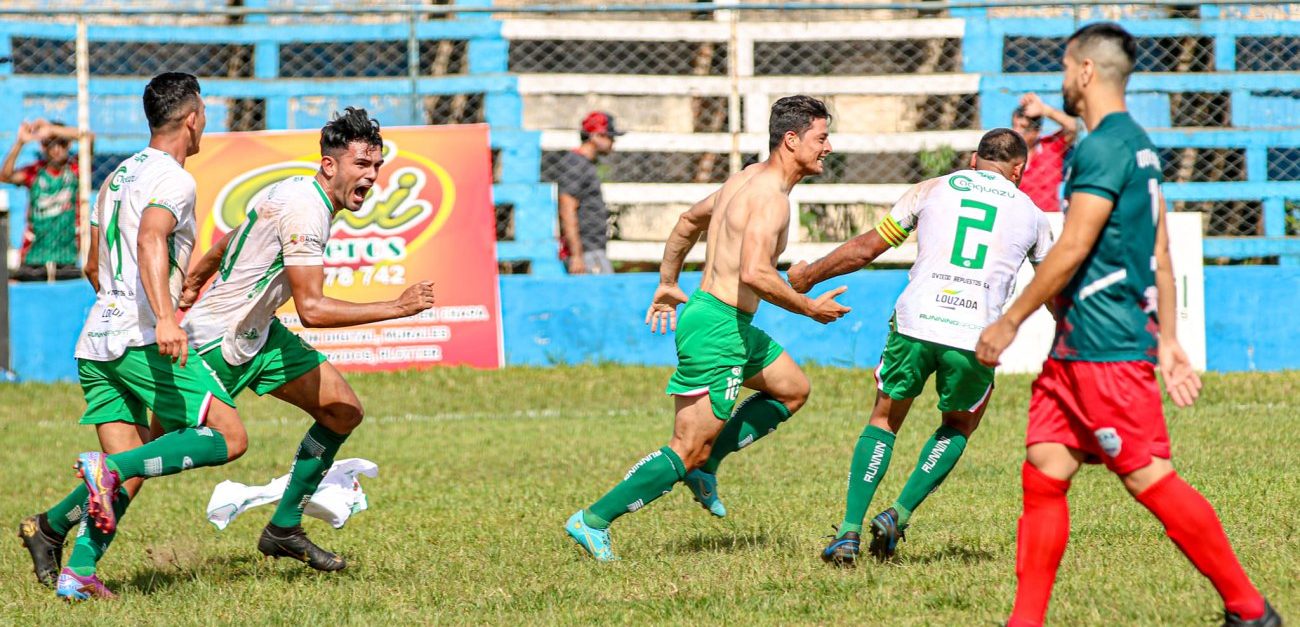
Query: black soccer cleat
pixel 843 550
pixel 292 542
pixel 885 534
pixel 46 548
pixel 1269 619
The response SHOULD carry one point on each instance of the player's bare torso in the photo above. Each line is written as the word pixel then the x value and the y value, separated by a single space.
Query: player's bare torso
pixel 736 201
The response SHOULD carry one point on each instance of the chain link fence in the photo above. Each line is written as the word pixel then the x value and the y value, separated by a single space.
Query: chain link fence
pixel 911 89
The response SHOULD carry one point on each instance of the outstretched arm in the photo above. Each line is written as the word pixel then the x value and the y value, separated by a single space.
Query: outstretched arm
pixel 203 270
pixel 1083 224
pixel 767 220
pixel 317 310
pixel 850 256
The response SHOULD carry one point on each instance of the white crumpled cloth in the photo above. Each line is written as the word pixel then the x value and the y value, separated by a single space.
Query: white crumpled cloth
pixel 338 497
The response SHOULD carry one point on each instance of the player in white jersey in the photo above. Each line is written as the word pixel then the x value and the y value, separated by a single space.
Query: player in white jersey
pixel 132 356
pixel 974 230
pixel 278 253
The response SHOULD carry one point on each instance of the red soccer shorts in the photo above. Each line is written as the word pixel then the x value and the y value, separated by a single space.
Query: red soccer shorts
pixel 1110 410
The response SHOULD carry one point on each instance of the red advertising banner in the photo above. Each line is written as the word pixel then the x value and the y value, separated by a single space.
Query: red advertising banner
pixel 428 217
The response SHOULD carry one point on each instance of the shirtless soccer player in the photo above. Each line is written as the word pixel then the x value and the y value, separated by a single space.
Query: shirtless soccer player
pixel 718 349
pixel 278 253
pixel 974 230
pixel 1097 399
pixel 132 356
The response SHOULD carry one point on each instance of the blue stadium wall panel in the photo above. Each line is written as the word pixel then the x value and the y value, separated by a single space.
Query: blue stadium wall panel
pixel 595 319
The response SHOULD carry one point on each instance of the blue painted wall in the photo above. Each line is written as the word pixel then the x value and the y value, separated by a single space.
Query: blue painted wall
pixel 600 319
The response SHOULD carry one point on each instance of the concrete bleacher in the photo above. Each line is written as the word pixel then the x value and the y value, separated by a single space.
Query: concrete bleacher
pixel 667 76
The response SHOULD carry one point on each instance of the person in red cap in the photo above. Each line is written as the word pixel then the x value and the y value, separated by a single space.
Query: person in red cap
pixel 584 219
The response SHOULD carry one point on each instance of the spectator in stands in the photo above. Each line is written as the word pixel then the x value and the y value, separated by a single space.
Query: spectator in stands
pixel 50 240
pixel 584 220
pixel 1044 170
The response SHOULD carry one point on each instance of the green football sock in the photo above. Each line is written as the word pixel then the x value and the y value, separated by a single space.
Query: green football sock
pixel 91 542
pixel 870 461
pixel 64 516
pixel 649 479
pixel 314 459
pixel 171 453
pixel 757 416
pixel 938 457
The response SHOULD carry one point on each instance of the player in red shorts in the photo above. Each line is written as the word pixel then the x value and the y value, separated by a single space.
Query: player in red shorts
pixel 1097 399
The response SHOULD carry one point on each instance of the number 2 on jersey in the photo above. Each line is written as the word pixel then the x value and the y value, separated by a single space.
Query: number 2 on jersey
pixel 965 225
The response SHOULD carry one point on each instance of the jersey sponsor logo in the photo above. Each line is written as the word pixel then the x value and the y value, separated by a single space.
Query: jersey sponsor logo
pixel 1146 158
pixel 952 299
pixel 963 183
pixel 949 321
pixel 111 311
pixel 873 468
pixel 1109 440
pixel 116 183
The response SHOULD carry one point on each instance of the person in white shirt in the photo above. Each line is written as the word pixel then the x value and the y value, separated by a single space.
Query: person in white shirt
pixel 278 253
pixel 974 230
pixel 132 356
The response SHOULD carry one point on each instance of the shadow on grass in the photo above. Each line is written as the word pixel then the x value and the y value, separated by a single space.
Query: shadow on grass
pixel 729 543
pixel 230 568
pixel 953 552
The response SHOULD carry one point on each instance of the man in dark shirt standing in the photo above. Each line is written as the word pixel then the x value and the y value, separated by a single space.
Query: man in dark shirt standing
pixel 584 219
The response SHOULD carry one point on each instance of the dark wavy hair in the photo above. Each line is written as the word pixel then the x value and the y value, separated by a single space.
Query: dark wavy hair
pixel 794 113
pixel 353 125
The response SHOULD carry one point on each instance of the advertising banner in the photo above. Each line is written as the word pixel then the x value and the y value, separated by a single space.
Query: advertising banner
pixel 429 217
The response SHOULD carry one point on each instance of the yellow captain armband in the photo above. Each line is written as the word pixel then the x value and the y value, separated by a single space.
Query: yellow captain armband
pixel 891 232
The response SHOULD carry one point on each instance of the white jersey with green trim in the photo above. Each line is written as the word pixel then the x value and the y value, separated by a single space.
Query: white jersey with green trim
pixel 974 229
pixel 121 316
pixel 289 226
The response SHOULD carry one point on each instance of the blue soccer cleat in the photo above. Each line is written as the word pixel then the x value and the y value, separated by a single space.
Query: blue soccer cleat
pixel 705 488
pixel 595 541
pixel 886 534
pixel 74 587
pixel 843 550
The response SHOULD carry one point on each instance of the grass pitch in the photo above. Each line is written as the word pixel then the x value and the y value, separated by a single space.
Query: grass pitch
pixel 478 471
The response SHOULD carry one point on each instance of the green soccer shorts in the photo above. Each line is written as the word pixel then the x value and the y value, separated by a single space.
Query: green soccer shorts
pixel 717 350
pixel 122 390
pixel 963 383
pixel 283 358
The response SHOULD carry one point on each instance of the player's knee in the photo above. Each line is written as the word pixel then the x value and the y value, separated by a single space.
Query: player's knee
pixel 692 454
pixel 342 417
pixel 1137 481
pixel 963 422
pixel 795 397
pixel 236 443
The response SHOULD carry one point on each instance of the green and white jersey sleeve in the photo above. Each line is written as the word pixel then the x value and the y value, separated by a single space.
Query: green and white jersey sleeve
pixel 121 316
pixel 288 226
pixel 974 230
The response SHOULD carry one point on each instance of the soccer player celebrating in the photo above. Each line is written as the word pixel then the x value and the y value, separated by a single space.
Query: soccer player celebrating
pixel 1097 399
pixel 974 230
pixel 278 253
pixel 718 348
pixel 132 355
